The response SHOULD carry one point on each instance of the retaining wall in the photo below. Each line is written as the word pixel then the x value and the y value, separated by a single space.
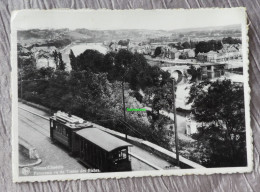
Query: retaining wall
pixel 37 106
pixel 155 149
pixel 27 149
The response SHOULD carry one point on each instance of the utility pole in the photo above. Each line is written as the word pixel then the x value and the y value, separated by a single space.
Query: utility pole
pixel 21 88
pixel 175 122
pixel 21 72
pixel 123 93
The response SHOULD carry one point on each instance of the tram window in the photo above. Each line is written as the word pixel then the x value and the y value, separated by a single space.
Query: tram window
pixel 119 155
pixel 59 129
pixel 62 130
pixel 65 132
pixel 122 154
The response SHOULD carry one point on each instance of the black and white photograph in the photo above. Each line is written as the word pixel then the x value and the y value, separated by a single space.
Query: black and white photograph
pixel 129 93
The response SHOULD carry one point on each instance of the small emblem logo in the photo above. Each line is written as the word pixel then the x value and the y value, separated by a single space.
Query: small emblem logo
pixel 26 171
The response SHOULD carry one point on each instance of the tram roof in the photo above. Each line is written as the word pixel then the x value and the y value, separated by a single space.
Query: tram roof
pixel 102 139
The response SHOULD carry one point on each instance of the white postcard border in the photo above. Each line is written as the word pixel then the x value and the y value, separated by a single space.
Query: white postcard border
pixel 179 172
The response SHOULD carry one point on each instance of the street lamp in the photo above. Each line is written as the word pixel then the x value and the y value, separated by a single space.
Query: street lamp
pixel 174 83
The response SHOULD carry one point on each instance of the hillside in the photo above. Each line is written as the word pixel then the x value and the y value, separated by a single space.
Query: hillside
pixel 63 37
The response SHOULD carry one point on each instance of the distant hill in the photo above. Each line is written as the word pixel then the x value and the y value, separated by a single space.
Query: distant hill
pixel 46 36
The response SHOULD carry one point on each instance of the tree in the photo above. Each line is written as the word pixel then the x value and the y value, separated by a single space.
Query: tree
pixel 56 59
pixel 186 45
pixel 193 44
pixel 73 61
pixel 90 60
pixel 219 108
pixel 61 65
pixel 230 40
pixel 159 97
pixel 201 47
pixel 108 62
pixel 157 51
pixel 46 72
pixel 124 42
pixel 137 124
pixel 206 46
pixel 57 90
pixel 194 72
pixel 87 92
pixel 26 61
pixel 133 68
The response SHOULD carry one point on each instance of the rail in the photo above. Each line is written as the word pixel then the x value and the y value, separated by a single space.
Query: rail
pixel 34 113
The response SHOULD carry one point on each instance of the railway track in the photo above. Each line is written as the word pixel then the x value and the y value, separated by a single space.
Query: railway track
pixel 45 133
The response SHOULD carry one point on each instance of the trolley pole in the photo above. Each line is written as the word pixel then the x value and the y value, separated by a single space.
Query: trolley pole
pixel 175 123
pixel 123 93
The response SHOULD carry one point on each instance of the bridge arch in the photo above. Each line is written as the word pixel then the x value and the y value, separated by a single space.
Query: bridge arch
pixel 179 75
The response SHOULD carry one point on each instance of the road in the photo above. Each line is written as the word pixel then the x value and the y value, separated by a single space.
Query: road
pixel 35 130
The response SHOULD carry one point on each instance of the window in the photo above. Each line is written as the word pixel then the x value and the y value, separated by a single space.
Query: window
pixel 62 130
pixel 123 154
pixel 120 155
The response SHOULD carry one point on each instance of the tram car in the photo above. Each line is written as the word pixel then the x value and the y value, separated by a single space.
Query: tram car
pixel 93 147
pixel 102 150
pixel 63 127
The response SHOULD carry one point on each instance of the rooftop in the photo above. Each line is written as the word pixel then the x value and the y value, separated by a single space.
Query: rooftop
pixel 102 139
pixel 71 121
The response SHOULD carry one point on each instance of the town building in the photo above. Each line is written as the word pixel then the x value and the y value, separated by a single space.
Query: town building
pixel 227 53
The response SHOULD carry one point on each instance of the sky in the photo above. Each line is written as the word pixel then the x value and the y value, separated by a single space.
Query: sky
pixel 127 19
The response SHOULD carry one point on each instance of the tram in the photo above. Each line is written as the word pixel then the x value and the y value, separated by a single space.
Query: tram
pixel 102 150
pixel 63 127
pixel 91 146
